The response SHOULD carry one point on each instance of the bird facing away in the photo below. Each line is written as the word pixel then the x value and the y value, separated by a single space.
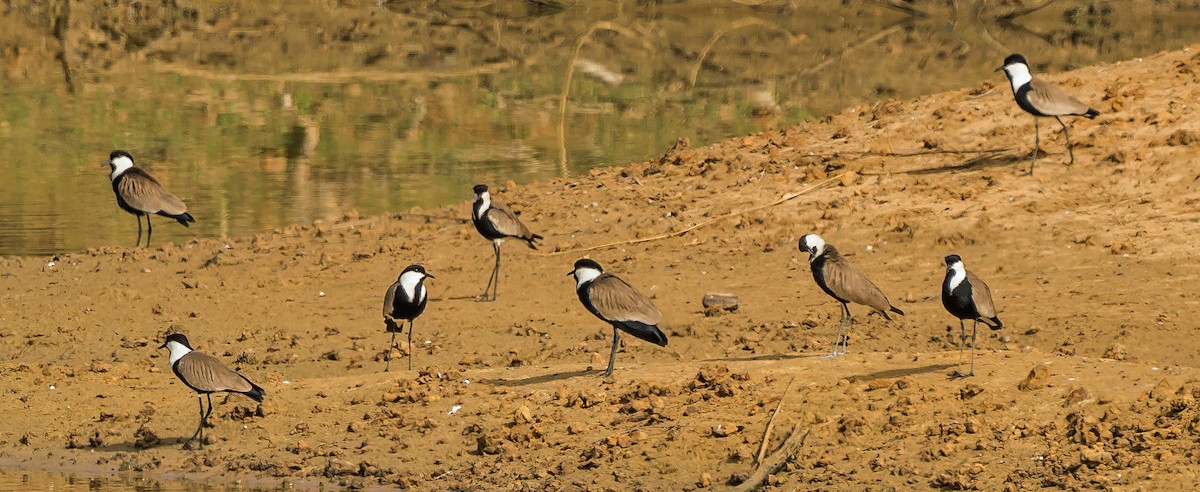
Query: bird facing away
pixel 1040 98
pixel 841 281
pixel 405 300
pixel 966 297
pixel 618 303
pixel 140 194
pixel 206 375
pixel 497 224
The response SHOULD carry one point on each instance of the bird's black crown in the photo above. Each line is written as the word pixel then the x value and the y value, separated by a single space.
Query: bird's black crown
pixel 952 259
pixel 1015 58
pixel 177 337
pixel 417 267
pixel 119 153
pixel 588 263
pixel 480 189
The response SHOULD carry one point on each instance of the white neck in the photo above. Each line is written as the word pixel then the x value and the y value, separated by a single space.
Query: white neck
pixel 485 202
pixel 119 165
pixel 1018 75
pixel 960 274
pixel 177 351
pixel 585 275
pixel 409 281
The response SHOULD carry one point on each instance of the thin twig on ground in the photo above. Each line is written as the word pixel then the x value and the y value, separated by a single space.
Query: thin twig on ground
pixel 775 462
pixel 735 213
pixel 762 448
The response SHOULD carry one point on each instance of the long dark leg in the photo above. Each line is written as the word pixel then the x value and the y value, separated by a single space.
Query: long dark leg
pixel 612 356
pixel 496 285
pixel 1068 135
pixel 139 239
pixel 494 278
pixel 410 345
pixel 962 341
pixel 974 325
pixel 198 427
pixel 1036 144
pixel 387 358
pixel 846 331
pixel 149 230
pixel 205 419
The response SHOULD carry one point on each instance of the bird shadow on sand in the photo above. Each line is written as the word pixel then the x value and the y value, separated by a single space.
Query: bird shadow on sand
pixel 899 373
pixel 985 161
pixel 141 445
pixel 545 378
pixel 753 358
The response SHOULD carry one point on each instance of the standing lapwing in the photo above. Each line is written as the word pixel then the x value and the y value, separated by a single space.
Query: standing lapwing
pixel 206 375
pixel 615 301
pixel 140 194
pixel 497 224
pixel 967 297
pixel 405 300
pixel 840 280
pixel 1040 98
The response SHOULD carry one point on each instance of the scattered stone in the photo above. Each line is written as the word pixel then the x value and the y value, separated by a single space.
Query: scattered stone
pixel 1116 352
pixel 1038 378
pixel 1076 395
pixel 718 302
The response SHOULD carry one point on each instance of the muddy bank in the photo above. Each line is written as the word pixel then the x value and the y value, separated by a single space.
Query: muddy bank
pixel 1090 384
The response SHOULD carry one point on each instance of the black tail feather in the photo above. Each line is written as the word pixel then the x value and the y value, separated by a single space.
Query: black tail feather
pixel 649 333
pixel 183 218
pixel 393 326
pixel 1091 113
pixel 996 320
pixel 530 241
pixel 896 310
pixel 256 392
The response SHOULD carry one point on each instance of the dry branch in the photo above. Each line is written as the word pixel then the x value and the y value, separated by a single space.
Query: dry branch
pixel 339 77
pixel 762 448
pixel 740 23
pixel 775 462
pixel 1008 16
pixel 787 197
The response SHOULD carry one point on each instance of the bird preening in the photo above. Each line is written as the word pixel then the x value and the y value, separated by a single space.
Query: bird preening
pixel 205 375
pixel 404 301
pixel 616 302
pixel 140 194
pixel 1040 99
pixel 966 296
pixel 497 224
pixel 845 284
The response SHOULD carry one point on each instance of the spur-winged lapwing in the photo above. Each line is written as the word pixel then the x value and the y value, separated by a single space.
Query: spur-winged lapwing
pixel 966 297
pixel 140 194
pixel 840 280
pixel 206 375
pixel 405 300
pixel 615 301
pixel 497 224
pixel 1040 98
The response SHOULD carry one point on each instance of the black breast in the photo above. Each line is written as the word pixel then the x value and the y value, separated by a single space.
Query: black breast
pixel 120 200
pixel 959 302
pixel 404 307
pixel 1022 97
pixel 484 226
pixel 818 270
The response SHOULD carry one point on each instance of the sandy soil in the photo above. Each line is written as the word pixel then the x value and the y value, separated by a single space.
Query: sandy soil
pixel 1090 385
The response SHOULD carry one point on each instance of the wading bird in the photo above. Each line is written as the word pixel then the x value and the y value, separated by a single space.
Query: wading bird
pixel 497 224
pixel 140 194
pixel 841 281
pixel 617 303
pixel 206 375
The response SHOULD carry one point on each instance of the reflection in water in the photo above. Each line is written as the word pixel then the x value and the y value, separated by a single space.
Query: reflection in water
pixel 260 117
pixel 15 479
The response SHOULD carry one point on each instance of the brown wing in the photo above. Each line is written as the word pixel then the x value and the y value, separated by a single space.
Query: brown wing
pixel 204 372
pixel 982 296
pixel 142 192
pixel 506 223
pixel 616 300
pixel 1053 100
pixel 390 298
pixel 848 284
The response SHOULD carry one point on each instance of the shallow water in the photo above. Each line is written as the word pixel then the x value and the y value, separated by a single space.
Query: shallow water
pixel 16 479
pixel 261 116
